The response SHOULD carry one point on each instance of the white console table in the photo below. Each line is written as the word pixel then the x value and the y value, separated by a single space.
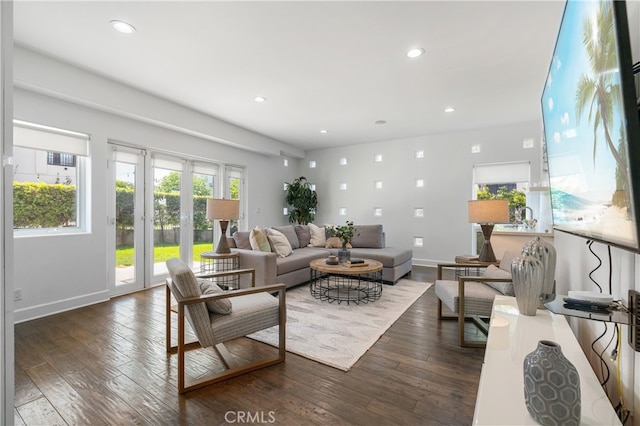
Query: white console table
pixel 512 336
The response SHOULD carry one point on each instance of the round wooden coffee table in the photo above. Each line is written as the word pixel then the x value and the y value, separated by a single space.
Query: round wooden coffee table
pixel 343 283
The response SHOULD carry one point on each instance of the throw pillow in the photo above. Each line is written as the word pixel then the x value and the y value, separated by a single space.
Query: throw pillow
pixel 304 235
pixel 318 237
pixel 242 240
pixel 279 243
pixel 507 258
pixel 335 242
pixel 258 240
pixel 289 232
pixel 221 306
pixel 505 288
pixel 370 236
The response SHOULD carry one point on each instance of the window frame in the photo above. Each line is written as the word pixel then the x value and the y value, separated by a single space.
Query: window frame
pixel 83 224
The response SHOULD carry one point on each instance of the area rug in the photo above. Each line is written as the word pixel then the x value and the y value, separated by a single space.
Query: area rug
pixel 339 334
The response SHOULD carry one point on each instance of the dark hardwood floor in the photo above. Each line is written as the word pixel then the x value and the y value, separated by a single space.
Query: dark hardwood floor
pixel 106 364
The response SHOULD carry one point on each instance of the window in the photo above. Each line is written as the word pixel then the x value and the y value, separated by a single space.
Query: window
pixel 61 159
pixel 49 182
pixel 503 181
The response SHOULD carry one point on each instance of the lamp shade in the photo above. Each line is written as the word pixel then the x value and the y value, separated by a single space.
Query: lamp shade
pixel 489 211
pixel 223 209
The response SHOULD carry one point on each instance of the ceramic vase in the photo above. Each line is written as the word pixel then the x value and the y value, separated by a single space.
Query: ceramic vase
pixel 551 386
pixel 527 274
pixel 546 253
pixel 344 255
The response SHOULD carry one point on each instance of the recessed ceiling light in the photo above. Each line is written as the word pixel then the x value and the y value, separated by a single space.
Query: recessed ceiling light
pixel 415 52
pixel 123 27
pixel 449 109
pixel 323 131
pixel 379 122
pixel 259 99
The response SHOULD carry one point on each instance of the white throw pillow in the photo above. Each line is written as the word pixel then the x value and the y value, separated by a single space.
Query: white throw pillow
pixel 279 243
pixel 221 306
pixel 505 288
pixel 318 237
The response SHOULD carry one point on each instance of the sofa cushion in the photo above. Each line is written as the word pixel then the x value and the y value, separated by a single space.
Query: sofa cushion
pixel 241 239
pixel 368 236
pixel 290 232
pixel 279 243
pixel 304 235
pixel 390 257
pixel 318 237
pixel 258 240
pixel 493 271
pixel 222 306
pixel 299 259
pixel 335 242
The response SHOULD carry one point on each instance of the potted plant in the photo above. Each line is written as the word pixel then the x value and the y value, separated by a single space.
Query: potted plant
pixel 303 201
pixel 345 233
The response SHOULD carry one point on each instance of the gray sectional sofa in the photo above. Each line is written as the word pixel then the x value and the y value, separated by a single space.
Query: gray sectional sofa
pixel 368 242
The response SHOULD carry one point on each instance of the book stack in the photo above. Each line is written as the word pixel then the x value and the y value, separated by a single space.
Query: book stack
pixel 355 263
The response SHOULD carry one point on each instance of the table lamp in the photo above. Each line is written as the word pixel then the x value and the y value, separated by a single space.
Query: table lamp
pixel 487 213
pixel 223 211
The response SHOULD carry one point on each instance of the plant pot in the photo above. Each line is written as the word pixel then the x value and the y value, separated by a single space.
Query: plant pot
pixel 551 386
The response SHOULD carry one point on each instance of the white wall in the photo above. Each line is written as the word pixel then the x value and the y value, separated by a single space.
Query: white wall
pixel 447 169
pixel 61 272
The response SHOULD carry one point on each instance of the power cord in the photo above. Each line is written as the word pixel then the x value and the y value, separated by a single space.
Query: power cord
pixel 589 244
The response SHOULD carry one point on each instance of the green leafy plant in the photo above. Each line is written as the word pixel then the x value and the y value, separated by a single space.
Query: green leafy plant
pixel 344 232
pixel 303 201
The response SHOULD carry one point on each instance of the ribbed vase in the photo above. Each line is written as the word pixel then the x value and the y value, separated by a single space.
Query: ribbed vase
pixel 526 274
pixel 551 386
pixel 546 253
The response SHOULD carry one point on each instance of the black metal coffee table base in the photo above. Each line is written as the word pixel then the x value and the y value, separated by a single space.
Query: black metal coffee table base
pixel 352 288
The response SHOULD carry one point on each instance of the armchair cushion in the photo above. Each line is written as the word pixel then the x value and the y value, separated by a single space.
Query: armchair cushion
pixel 493 271
pixel 478 297
pixel 221 306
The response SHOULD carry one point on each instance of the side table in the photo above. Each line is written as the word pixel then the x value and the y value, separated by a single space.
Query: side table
pixel 210 262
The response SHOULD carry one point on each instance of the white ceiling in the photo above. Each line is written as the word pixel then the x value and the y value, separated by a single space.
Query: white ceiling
pixel 329 65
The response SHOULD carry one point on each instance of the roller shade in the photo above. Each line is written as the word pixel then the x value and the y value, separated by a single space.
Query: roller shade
pixel 44 140
pixel 501 172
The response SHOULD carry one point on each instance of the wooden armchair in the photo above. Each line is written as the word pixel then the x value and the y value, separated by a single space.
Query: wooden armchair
pixel 252 309
pixel 471 296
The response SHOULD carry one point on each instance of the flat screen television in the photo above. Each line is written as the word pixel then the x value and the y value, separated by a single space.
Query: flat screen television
pixel 591 126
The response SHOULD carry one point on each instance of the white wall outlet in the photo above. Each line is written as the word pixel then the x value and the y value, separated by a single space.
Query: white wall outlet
pixel 17 294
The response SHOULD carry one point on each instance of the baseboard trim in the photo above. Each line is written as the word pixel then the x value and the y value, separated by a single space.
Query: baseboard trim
pixel 427 262
pixel 46 309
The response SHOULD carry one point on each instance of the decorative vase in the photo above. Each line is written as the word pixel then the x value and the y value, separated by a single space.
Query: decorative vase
pixel 545 252
pixel 344 255
pixel 551 386
pixel 526 275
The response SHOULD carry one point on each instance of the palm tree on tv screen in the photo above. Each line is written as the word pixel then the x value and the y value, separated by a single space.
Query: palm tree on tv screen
pixel 599 92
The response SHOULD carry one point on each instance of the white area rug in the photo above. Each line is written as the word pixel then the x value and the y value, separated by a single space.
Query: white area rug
pixel 339 334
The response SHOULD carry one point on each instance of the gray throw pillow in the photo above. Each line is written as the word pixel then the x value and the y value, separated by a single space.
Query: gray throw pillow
pixel 304 235
pixel 505 288
pixel 221 306
pixel 289 232
pixel 242 239
pixel 369 236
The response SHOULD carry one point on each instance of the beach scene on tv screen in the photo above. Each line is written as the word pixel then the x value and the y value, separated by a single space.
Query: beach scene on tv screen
pixel 585 136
